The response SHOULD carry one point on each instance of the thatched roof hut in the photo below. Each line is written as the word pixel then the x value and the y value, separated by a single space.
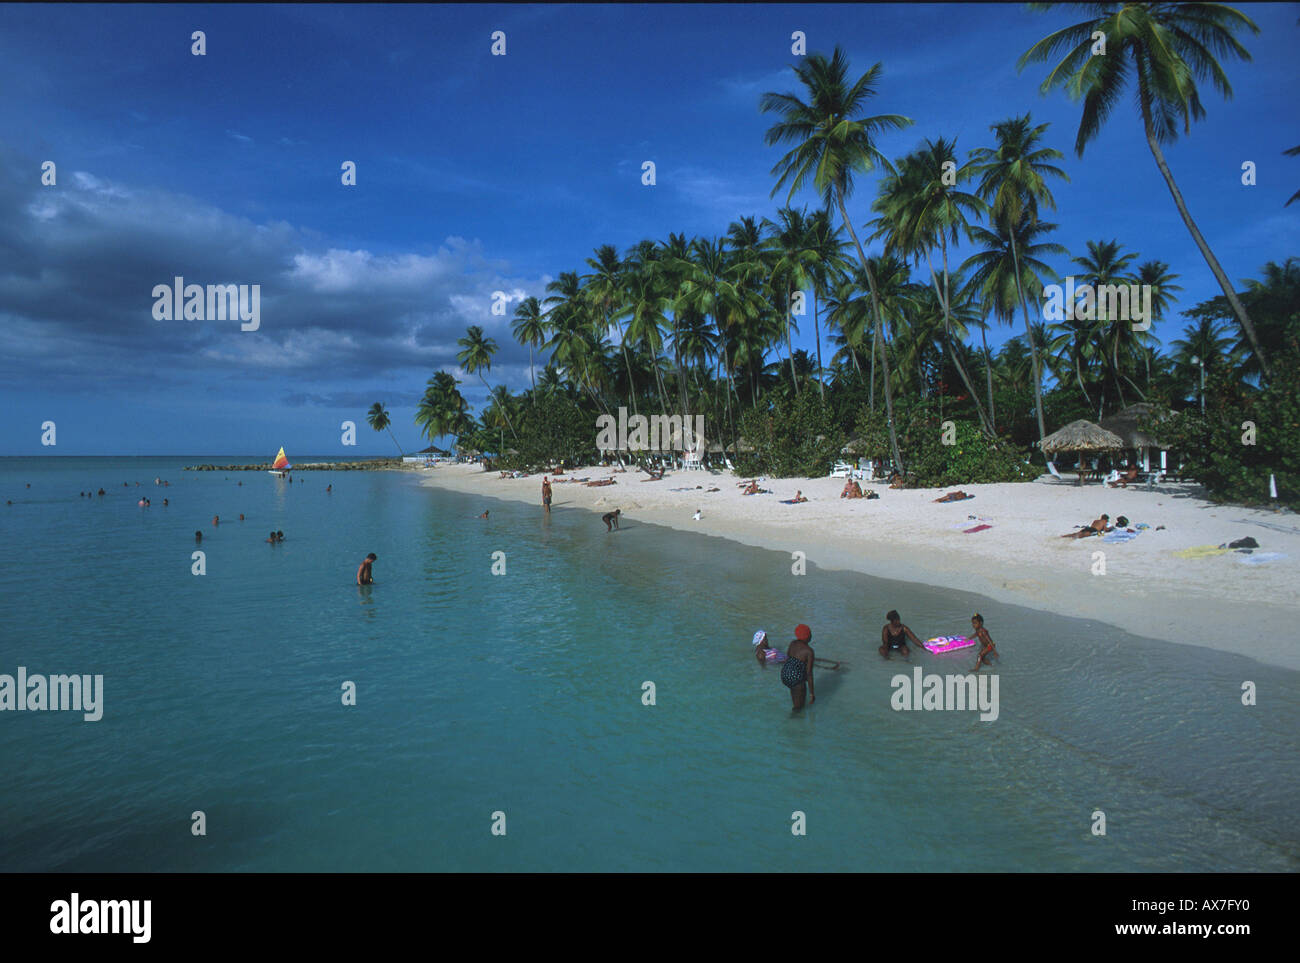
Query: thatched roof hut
pixel 1082 436
pixel 1125 424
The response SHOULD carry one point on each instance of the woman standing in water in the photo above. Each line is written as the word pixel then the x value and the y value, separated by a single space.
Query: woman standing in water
pixel 797 670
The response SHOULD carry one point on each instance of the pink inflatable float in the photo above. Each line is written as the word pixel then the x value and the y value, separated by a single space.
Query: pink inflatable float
pixel 946 643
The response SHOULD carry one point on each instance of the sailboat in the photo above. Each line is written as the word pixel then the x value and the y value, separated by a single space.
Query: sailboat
pixel 280 467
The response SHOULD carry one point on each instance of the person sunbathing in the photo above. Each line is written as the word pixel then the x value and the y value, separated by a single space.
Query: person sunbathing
pixel 957 496
pixel 1130 475
pixel 601 483
pixel 851 490
pixel 895 480
pixel 797 500
pixel 1097 527
pixel 753 489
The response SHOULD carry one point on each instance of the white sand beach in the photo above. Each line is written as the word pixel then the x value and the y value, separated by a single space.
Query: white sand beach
pixel 1217 601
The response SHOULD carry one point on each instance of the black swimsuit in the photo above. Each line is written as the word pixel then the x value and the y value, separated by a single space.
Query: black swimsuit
pixel 896 641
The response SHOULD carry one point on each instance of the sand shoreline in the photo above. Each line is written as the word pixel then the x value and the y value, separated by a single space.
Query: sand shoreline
pixel 1217 602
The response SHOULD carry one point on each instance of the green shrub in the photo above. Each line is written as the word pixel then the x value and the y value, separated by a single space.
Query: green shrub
pixel 795 437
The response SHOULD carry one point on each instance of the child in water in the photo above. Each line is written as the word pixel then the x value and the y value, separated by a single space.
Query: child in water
pixel 987 648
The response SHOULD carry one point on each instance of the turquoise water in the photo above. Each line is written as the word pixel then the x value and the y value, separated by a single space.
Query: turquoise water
pixel 521 693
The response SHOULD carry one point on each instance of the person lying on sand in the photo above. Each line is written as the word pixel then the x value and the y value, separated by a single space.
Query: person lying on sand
pixel 611 519
pixel 602 483
pixel 797 500
pixel 1124 479
pixel 894 635
pixel 957 496
pixel 753 489
pixel 987 648
pixel 1097 526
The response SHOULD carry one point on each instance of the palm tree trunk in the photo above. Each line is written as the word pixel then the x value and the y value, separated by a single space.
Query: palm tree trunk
pixel 505 414
pixel 875 305
pixel 1238 308
pixel 988 372
pixel 394 437
pixel 531 373
pixel 1029 336
pixel 789 323
pixel 947 337
pixel 627 362
pixel 817 328
pixel 871 393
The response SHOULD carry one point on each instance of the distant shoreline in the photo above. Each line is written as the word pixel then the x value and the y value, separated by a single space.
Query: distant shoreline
pixel 1215 602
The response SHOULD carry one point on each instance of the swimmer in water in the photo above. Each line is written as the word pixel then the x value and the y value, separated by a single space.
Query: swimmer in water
pixel 279 536
pixel 271 538
pixel 364 575
pixel 216 519
pixel 894 635
pixel 241 514
pixel 764 652
pixel 198 536
pixel 797 672
pixel 165 504
pixel 987 648
pixel 611 519
pixel 328 489
pixel 546 494
pixel 484 515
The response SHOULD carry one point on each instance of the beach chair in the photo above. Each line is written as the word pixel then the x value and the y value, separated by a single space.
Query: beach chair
pixel 691 460
pixel 1055 474
pixel 842 469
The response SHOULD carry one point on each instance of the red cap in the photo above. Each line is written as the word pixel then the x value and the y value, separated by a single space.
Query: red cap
pixel 802 632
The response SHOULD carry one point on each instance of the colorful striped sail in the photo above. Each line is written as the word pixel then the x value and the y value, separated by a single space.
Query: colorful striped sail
pixel 281 461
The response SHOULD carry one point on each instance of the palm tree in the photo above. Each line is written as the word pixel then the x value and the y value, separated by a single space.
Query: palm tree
pixel 827 262
pixel 1013 182
pixel 791 259
pixel 1006 271
pixel 1209 343
pixel 442 410
pixel 379 420
pixel 831 141
pixel 1105 264
pixel 476 357
pixel 530 329
pixel 1164 48
pixel 606 289
pixel 919 212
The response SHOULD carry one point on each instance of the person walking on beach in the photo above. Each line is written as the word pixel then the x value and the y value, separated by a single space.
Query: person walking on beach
pixel 894 635
pixel 797 671
pixel 611 519
pixel 987 648
pixel 546 494
pixel 364 574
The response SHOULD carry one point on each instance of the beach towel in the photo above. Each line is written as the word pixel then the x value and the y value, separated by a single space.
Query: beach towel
pixel 791 501
pixel 1120 536
pixel 977 528
pixel 1259 558
pixel 1202 551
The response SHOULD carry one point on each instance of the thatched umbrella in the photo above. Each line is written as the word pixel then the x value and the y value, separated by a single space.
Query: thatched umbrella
pixel 1081 436
pixel 1125 423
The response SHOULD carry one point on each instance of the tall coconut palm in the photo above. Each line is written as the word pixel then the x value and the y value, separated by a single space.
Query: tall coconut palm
pixel 919 211
pixel 567 323
pixel 1013 181
pixel 1105 264
pixel 379 420
pixel 1163 49
pixel 832 140
pixel 827 262
pixel 1006 271
pixel 606 290
pixel 791 262
pixel 442 410
pixel 530 328
pixel 475 357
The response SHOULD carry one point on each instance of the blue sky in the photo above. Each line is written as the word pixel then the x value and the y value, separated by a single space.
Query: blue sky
pixel 478 173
